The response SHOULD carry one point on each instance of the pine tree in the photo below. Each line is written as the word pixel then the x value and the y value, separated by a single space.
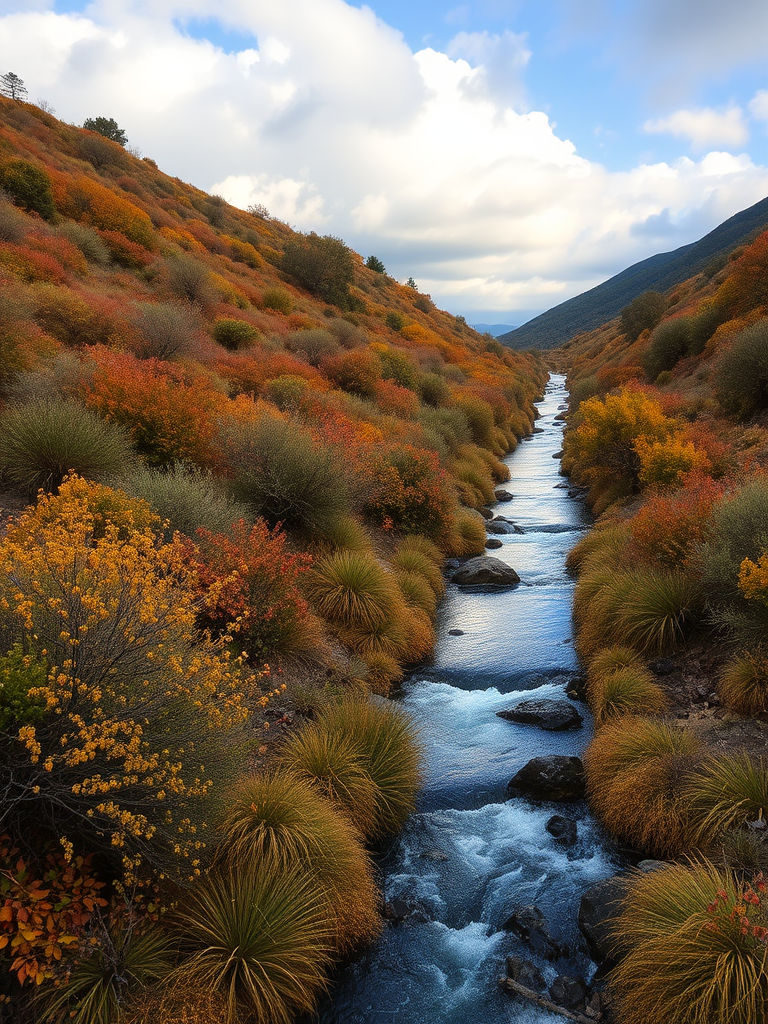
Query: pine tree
pixel 12 87
pixel 106 126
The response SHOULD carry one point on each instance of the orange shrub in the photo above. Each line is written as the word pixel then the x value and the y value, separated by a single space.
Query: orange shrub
pixel 411 492
pixel 84 199
pixel 124 251
pixel 170 418
pixel 30 265
pixel 665 463
pixel 358 372
pixel 668 529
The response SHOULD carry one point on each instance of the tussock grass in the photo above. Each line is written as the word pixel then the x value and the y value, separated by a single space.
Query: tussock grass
pixel 604 544
pixel 260 937
pixel 282 817
pixel 630 690
pixel 420 556
pixel 345 533
pixel 635 769
pixel 42 441
pixel 743 685
pixel 659 611
pixel 383 672
pixel 388 747
pixel 683 964
pixel 609 660
pixel 416 591
pixel 352 590
pixel 728 791
pixel 467 536
pixel 333 763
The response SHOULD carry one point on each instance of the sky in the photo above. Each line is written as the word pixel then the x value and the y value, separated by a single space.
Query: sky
pixel 506 154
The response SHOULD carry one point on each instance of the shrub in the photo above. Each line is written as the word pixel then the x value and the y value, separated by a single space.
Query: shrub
pixel 277 299
pixel 357 372
pixel 741 376
pixel 190 280
pixel 642 314
pixel 626 691
pixel 284 475
pixel 120 962
pixel 42 441
pixel 332 763
pixel 313 345
pixel 163 329
pixel 635 770
pixel 410 492
pixel 234 334
pixel 62 313
pixel 184 499
pixel 389 752
pixel 669 528
pixel 249 589
pixel 666 463
pixel 434 391
pixel 13 224
pixel 351 588
pixel 743 684
pixel 669 343
pixel 20 673
pixel 322 265
pixel 88 241
pixel 690 955
pixel 29 187
pixel 258 936
pixel 467 536
pixel 395 321
pixel 84 199
pixel 728 791
pixel 282 818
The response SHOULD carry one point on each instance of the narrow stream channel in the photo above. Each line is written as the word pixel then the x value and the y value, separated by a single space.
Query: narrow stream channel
pixel 469 857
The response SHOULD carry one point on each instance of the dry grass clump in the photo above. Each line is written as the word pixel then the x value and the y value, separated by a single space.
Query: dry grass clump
pixel 630 690
pixel 282 817
pixel 743 685
pixel 467 536
pixel 382 673
pixel 351 589
pixel 609 660
pixel 636 768
pixel 690 959
pixel 418 555
pixel 728 791
pixel 605 544
pixel 417 591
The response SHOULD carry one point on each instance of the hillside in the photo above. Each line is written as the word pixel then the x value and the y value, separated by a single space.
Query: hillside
pixel 233 461
pixel 592 308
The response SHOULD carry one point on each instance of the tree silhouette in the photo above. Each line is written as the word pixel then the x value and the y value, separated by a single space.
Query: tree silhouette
pixel 106 126
pixel 12 87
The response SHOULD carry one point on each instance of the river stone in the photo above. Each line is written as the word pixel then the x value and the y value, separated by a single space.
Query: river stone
pixel 552 715
pixel 531 926
pixel 563 830
pixel 399 910
pixel 485 569
pixel 525 973
pixel 485 512
pixel 558 455
pixel 455 632
pixel 551 777
pixel 493 544
pixel 499 526
pixel 597 910
pixel 502 495
pixel 662 666
pixel 570 993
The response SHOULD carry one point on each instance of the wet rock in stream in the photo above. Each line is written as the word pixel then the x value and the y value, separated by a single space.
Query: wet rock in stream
pixel 551 715
pixel 485 569
pixel 551 777
pixel 563 830
pixel 530 925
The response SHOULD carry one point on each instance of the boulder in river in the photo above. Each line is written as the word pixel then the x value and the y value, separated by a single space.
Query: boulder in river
pixel 525 972
pixel 570 993
pixel 551 777
pixel 501 495
pixel 500 526
pixel 399 911
pixel 597 910
pixel 552 715
pixel 493 544
pixel 558 455
pixel 485 569
pixel 531 926
pixel 485 512
pixel 563 830
pixel 455 632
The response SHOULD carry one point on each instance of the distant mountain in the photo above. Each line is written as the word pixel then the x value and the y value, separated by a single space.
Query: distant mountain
pixel 494 329
pixel 658 273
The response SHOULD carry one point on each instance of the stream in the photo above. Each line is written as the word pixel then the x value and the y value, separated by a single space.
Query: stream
pixel 468 857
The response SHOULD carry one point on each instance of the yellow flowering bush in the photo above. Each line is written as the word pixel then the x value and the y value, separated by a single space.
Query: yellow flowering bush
pixel 753 579
pixel 142 716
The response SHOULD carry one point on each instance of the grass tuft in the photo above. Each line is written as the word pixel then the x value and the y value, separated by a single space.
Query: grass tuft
pixel 743 685
pixel 630 690
pixel 727 792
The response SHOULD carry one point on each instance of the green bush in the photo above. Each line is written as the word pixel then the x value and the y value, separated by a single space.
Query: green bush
pixel 234 334
pixel 29 187
pixel 658 611
pixel 374 263
pixel 669 343
pixel 42 441
pixel 395 321
pixel 642 313
pixel 321 264
pixel 283 475
pixel 282 817
pixel 741 376
pixel 186 499
pixel 260 937
pixel 13 224
pixel 189 280
pixel 689 959
pixel 277 299
pixel 20 673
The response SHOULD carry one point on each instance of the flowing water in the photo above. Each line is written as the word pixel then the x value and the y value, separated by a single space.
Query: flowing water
pixel 468 856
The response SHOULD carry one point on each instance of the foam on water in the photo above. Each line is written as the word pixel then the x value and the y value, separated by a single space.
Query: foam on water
pixel 468 857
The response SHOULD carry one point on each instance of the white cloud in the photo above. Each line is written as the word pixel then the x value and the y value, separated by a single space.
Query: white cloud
pixel 328 119
pixel 758 105
pixel 704 127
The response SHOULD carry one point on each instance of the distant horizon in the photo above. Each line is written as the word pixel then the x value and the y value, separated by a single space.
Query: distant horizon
pixel 507 157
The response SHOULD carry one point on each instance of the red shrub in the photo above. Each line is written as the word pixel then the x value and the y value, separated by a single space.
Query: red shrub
pixel 410 492
pixel 358 372
pixel 668 528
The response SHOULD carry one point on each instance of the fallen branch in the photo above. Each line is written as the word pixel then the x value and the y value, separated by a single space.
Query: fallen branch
pixel 546 1004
